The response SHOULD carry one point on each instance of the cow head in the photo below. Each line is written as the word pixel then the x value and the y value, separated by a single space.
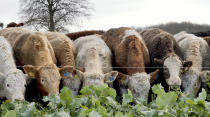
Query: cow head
pixel 73 83
pixel 172 68
pixel 191 81
pixel 96 78
pixel 71 80
pixel 13 85
pixel 138 83
pixel 48 77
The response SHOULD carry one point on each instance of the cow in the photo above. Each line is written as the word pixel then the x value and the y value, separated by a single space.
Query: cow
pixel 93 61
pixel 194 49
pixel 130 58
pixel 34 52
pixel 12 80
pixel 165 54
pixel 64 53
pixel 73 36
pixel 13 24
pixel 1 25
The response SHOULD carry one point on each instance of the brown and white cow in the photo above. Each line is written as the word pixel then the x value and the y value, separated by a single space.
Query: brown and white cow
pixel 131 57
pixel 33 50
pixel 94 61
pixel 165 53
pixel 64 53
pixel 194 49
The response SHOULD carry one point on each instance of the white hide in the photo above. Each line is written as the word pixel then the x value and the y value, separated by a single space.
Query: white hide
pixel 12 80
pixel 173 64
pixel 93 57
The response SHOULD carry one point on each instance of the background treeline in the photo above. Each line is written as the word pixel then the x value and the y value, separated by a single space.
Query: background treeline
pixel 174 27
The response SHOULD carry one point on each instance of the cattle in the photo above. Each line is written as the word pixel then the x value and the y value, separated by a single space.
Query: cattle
pixel 1 25
pixel 131 57
pixel 93 61
pixel 73 36
pixel 12 80
pixel 64 53
pixel 194 49
pixel 33 51
pixel 13 24
pixel 165 54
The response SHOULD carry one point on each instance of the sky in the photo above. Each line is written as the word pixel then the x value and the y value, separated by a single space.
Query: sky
pixel 117 13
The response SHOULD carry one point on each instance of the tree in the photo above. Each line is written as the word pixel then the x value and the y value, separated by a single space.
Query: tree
pixel 53 15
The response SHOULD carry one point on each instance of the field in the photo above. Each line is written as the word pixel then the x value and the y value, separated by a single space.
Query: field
pixel 100 101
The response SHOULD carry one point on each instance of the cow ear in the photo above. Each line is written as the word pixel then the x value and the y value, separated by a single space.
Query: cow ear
pixel 66 71
pixel 187 65
pixel 30 70
pixel 154 76
pixel 122 79
pixel 205 76
pixel 80 74
pixel 110 77
pixel 158 62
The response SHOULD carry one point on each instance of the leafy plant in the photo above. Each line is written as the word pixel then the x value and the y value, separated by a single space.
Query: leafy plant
pixel 100 101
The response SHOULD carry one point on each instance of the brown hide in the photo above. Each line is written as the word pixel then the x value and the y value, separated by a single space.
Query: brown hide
pixel 207 39
pixel 33 49
pixel 14 33
pixel 63 48
pixel 73 36
pixel 13 24
pixel 160 43
pixel 129 53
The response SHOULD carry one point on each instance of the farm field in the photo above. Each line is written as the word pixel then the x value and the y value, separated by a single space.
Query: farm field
pixel 100 101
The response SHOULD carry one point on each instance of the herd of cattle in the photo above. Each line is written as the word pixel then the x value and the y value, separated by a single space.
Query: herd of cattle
pixel 133 60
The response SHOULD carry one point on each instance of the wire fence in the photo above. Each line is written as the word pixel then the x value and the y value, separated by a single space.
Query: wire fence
pixel 117 67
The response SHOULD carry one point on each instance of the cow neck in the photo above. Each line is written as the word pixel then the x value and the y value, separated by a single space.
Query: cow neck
pixel 193 54
pixel 92 62
pixel 68 55
pixel 7 62
pixel 44 58
pixel 135 56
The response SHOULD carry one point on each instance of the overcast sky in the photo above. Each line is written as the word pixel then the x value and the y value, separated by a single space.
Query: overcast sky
pixel 117 13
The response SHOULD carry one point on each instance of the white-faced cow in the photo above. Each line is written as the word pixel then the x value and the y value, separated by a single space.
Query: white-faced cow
pixel 12 80
pixel 165 53
pixel 131 57
pixel 94 61
pixel 194 49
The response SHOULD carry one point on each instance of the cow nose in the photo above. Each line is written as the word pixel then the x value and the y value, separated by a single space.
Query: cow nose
pixel 174 81
pixel 21 98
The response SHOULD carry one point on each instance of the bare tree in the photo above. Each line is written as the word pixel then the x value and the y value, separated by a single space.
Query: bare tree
pixel 54 15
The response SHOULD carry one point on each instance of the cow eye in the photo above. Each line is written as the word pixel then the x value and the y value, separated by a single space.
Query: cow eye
pixel 8 85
